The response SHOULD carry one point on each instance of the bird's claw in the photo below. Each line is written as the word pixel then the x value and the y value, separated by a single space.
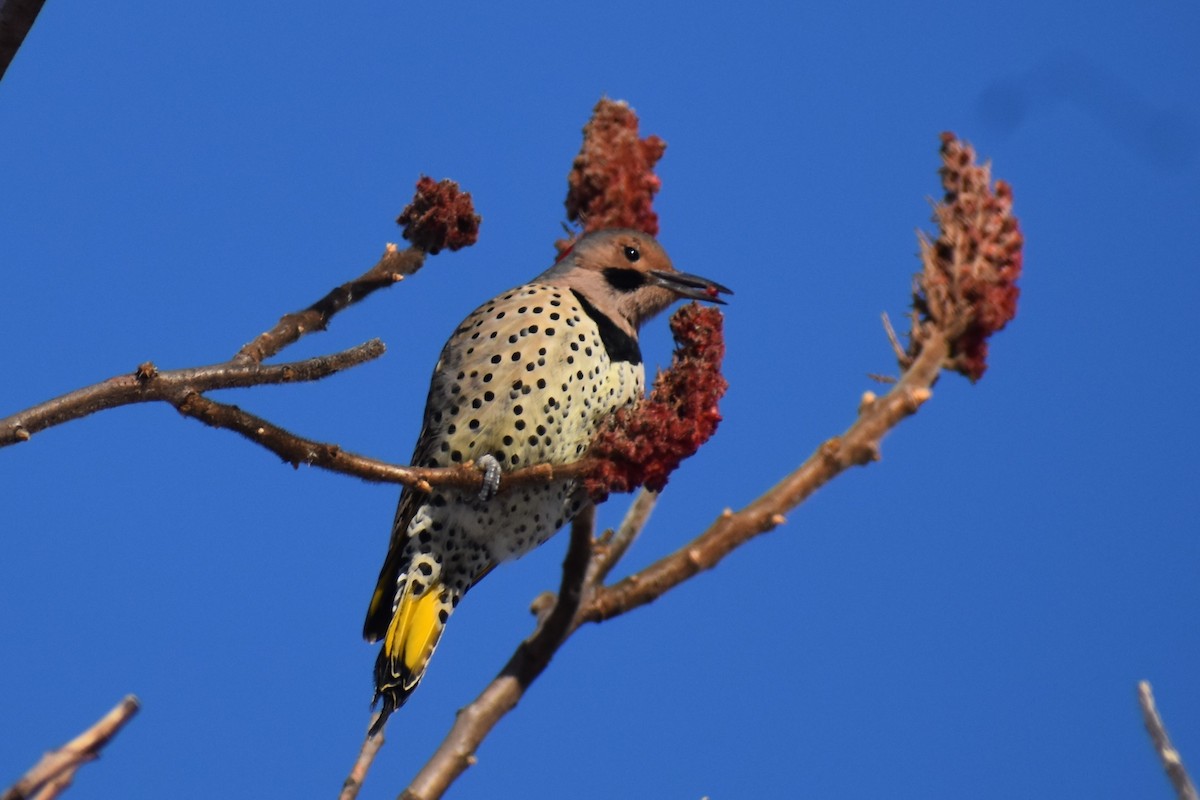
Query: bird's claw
pixel 491 477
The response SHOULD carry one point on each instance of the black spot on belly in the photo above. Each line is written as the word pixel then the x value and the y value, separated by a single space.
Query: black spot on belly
pixel 619 345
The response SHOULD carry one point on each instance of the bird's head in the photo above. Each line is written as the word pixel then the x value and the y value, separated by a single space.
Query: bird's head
pixel 627 276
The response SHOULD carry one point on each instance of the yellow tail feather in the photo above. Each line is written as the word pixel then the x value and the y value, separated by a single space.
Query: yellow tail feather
pixel 414 632
pixel 412 635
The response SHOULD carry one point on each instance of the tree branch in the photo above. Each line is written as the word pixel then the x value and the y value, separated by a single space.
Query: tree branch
pixel 16 19
pixel 147 384
pixel 1171 760
pixel 439 216
pixel 612 548
pixel 297 450
pixel 358 773
pixel 182 388
pixel 57 768
pixel 457 751
pixel 858 446
pixel 393 266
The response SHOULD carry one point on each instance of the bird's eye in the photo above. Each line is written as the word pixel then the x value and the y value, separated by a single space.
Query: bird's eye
pixel 632 254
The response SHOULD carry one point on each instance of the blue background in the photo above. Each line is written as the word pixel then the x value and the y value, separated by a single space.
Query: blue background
pixel 969 616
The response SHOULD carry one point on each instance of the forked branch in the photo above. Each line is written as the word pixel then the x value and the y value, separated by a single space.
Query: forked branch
pixel 147 384
pixel 440 216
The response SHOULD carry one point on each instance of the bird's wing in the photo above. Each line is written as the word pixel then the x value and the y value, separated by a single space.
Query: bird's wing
pixel 379 613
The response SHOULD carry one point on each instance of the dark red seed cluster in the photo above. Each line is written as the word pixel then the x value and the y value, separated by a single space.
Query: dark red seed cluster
pixel 969 284
pixel 642 446
pixel 612 182
pixel 440 216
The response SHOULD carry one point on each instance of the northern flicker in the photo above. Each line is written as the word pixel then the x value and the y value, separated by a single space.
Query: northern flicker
pixel 525 379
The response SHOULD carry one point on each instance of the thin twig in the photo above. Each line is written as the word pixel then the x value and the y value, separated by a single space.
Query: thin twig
pixel 57 768
pixel 147 384
pixel 391 268
pixel 1171 760
pixel 613 549
pixel 894 340
pixel 358 773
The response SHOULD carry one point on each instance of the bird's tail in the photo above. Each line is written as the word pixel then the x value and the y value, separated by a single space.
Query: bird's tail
pixel 413 634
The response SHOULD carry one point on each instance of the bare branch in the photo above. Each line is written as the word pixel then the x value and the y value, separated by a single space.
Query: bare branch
pixel 358 773
pixel 182 388
pixel 57 768
pixel 16 18
pixel 297 450
pixel 440 216
pixel 897 348
pixel 1171 760
pixel 612 549
pixel 147 384
pixel 393 266
pixel 858 446
pixel 457 751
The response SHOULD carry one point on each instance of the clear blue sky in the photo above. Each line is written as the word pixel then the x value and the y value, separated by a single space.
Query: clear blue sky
pixel 969 616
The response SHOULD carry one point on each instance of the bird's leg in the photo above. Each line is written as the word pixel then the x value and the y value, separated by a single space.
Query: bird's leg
pixel 491 476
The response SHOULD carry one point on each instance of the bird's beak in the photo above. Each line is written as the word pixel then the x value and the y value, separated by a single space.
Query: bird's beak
pixel 692 286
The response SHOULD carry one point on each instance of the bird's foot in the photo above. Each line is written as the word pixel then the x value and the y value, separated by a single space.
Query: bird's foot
pixel 491 477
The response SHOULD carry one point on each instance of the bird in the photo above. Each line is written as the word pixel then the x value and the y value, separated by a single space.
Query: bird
pixel 525 379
